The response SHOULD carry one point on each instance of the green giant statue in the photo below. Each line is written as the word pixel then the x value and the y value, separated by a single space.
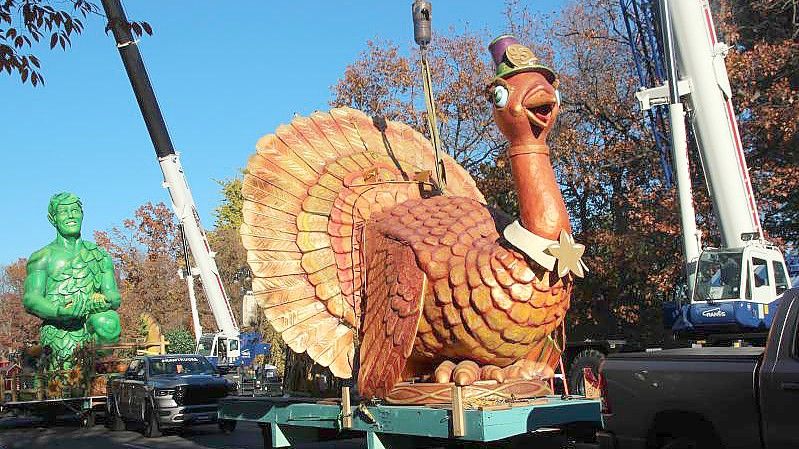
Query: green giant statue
pixel 70 285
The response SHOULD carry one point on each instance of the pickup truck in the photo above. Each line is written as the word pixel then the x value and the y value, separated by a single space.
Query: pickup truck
pixel 707 397
pixel 166 391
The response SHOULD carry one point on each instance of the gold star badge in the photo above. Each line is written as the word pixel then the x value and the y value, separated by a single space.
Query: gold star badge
pixel 569 255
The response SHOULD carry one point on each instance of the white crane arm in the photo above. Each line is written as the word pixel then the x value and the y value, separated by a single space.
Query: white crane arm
pixel 186 211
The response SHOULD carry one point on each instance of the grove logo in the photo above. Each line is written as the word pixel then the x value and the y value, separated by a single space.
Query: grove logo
pixel 715 312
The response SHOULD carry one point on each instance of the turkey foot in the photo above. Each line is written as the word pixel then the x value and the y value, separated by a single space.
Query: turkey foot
pixel 528 370
pixel 468 372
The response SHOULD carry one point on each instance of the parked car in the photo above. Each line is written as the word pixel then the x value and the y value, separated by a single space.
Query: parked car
pixel 167 391
pixel 707 397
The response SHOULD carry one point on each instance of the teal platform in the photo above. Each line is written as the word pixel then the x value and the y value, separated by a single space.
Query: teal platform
pixel 288 421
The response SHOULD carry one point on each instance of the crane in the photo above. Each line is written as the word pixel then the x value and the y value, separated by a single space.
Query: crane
pixel 733 287
pixel 224 346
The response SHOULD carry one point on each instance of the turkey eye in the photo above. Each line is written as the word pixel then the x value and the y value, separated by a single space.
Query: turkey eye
pixel 500 96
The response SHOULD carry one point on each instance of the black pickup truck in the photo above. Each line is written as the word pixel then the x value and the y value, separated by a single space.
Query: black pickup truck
pixel 707 397
pixel 166 391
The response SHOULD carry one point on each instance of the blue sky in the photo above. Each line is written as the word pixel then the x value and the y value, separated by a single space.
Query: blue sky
pixel 225 73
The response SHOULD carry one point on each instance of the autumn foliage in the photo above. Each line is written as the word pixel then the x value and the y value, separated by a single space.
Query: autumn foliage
pixel 148 256
pixel 17 327
pixel 146 253
pixel 764 72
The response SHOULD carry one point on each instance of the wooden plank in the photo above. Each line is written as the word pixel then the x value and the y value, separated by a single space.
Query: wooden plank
pixel 346 409
pixel 458 429
pixel 494 407
pixel 539 401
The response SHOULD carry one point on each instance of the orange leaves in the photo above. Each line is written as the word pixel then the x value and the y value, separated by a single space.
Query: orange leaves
pixel 385 82
pixel 370 84
pixel 16 326
pixel 146 253
pixel 762 67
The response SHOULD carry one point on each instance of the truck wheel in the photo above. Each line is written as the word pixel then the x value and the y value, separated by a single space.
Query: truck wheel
pixel 151 427
pixel 227 426
pixel 587 358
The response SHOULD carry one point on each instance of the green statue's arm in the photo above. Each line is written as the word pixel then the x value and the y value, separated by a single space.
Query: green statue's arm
pixel 108 285
pixel 33 299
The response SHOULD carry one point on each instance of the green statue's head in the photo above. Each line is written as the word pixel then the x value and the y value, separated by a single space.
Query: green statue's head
pixel 65 212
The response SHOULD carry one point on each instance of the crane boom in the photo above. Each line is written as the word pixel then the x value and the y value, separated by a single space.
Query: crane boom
pixel 174 180
pixel 679 146
pixel 186 211
pixel 700 61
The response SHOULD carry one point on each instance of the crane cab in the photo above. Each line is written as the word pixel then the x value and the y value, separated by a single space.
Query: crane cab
pixel 735 289
pixel 220 349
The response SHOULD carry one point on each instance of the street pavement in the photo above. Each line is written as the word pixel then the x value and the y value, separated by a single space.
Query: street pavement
pixel 31 433
pixel 18 433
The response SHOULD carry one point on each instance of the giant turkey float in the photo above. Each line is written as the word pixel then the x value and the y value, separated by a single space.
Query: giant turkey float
pixel 366 264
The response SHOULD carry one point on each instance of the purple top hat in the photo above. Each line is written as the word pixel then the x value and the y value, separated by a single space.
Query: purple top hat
pixel 511 57
pixel 498 46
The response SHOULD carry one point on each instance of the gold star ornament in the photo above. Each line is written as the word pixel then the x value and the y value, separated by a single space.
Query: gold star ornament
pixel 569 255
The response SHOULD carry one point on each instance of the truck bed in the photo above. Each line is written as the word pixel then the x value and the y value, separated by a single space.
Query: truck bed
pixel 656 389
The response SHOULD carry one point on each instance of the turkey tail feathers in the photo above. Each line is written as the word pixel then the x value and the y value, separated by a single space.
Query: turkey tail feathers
pixel 308 190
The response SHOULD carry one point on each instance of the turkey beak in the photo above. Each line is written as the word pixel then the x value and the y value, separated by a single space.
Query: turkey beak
pixel 539 105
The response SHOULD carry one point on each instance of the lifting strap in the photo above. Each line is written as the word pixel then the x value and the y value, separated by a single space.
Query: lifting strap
pixel 441 175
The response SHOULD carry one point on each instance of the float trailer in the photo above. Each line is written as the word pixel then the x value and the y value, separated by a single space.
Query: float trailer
pixel 86 408
pixel 287 421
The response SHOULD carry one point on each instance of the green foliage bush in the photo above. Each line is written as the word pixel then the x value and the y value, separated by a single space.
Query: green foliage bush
pixel 181 341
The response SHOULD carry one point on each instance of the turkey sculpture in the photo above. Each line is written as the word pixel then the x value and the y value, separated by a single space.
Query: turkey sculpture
pixel 353 246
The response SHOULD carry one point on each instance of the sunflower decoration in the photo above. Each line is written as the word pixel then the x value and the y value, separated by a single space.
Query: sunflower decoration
pixel 55 388
pixel 74 377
